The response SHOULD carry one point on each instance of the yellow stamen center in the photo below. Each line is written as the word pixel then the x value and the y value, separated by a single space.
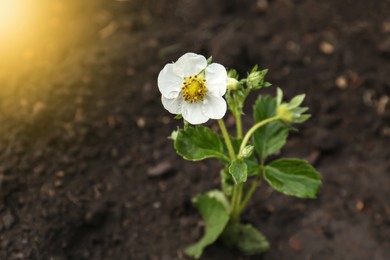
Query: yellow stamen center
pixel 194 89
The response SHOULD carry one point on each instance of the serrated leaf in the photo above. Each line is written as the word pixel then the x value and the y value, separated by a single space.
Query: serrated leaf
pixel 293 177
pixel 246 238
pixel 198 143
pixel 270 138
pixel 215 215
pixel 239 170
pixel 252 165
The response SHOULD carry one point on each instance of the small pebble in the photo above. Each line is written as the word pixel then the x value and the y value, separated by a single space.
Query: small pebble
pixel 60 174
pixel 341 82
pixel 386 27
pixel 141 122
pixel 326 47
pixel 58 183
pixel 261 6
pixel 160 169
pixel 382 104
pixel 359 205
pixel 157 205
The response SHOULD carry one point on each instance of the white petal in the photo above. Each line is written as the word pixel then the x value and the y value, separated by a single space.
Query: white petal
pixel 192 112
pixel 173 105
pixel 169 83
pixel 214 107
pixel 216 79
pixel 190 64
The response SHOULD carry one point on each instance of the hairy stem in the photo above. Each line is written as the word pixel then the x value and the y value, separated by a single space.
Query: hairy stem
pixel 239 125
pixel 253 129
pixel 249 194
pixel 228 142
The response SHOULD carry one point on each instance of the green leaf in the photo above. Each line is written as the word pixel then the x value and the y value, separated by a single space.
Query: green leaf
pixel 198 143
pixel 293 177
pixel 239 170
pixel 252 165
pixel 246 238
pixel 270 138
pixel 215 214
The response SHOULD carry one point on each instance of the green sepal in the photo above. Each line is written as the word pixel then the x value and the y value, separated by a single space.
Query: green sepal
pixel 214 208
pixel 293 177
pixel 270 138
pixel 198 143
pixel 302 118
pixel 245 238
pixel 239 171
pixel 210 60
pixel 296 101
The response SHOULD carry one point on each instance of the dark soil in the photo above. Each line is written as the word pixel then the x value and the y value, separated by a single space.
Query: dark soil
pixel 82 128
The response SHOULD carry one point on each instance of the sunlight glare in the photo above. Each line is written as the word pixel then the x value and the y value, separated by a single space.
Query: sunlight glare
pixel 12 16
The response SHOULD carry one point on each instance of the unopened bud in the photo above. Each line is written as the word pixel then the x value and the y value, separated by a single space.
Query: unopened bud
pixel 284 113
pixel 246 152
pixel 232 83
pixel 254 79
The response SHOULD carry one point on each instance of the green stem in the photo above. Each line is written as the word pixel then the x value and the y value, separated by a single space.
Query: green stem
pixel 237 205
pixel 228 142
pixel 253 129
pixel 249 194
pixel 238 125
pixel 236 201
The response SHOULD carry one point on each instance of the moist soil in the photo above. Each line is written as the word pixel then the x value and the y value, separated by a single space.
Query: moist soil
pixel 87 170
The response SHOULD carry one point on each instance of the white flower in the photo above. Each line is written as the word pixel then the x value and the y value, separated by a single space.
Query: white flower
pixel 193 88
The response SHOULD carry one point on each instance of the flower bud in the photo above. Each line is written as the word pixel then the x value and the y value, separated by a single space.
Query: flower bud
pixel 254 79
pixel 246 152
pixel 232 83
pixel 284 113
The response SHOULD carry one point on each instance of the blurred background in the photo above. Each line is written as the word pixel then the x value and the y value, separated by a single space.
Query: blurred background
pixel 87 171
